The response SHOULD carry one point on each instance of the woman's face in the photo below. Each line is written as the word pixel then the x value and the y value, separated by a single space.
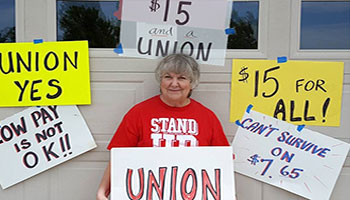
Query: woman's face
pixel 175 89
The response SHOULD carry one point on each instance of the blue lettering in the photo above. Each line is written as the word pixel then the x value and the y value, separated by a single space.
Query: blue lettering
pixel 310 146
pixel 321 154
pixel 287 157
pixel 271 130
pixel 297 142
pixel 253 126
pixel 248 119
pixel 315 150
pixel 290 139
pixel 304 145
pixel 283 136
pixel 273 151
pixel 261 129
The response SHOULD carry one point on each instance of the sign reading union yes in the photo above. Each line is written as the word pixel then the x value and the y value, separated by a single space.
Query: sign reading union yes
pixel 49 73
pixel 156 28
pixel 273 151
pixel 39 138
pixel 172 173
pixel 299 92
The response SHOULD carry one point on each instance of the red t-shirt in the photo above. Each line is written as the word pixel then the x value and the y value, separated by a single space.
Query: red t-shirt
pixel 152 123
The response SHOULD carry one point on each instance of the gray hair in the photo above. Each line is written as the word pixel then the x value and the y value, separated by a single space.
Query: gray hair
pixel 179 64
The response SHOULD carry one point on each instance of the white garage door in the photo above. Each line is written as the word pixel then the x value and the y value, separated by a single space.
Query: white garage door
pixel 118 83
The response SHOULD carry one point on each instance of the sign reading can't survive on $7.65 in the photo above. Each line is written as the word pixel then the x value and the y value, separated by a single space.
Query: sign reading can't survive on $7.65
pixel 296 159
pixel 49 73
pixel 299 92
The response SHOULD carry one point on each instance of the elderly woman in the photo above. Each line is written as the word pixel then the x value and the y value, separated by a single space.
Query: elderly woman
pixel 171 119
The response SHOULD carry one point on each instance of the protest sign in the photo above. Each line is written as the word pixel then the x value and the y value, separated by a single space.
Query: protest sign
pixel 172 173
pixel 153 29
pixel 298 160
pixel 194 13
pixel 44 74
pixel 39 138
pixel 299 92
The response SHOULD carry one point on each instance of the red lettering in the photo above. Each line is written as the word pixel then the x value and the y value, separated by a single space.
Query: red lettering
pixel 187 188
pixel 207 184
pixel 141 183
pixel 152 182
pixel 192 194
pixel 173 183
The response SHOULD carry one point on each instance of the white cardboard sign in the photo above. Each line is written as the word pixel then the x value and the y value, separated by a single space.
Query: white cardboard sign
pixel 190 27
pixel 301 161
pixel 39 138
pixel 172 173
pixel 207 14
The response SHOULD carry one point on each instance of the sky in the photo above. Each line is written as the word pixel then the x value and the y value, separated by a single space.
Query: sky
pixel 325 25
pixel 243 7
pixel 107 7
pixel 7 13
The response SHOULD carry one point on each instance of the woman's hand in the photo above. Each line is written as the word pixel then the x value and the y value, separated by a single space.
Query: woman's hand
pixel 102 195
pixel 105 185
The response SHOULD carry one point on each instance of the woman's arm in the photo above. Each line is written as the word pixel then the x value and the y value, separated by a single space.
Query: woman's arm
pixel 105 185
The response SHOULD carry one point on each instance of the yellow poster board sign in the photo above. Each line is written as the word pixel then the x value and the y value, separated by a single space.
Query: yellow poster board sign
pixel 299 92
pixel 49 73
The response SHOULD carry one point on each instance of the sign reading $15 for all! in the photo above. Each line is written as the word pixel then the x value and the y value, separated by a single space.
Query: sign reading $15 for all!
pixel 300 92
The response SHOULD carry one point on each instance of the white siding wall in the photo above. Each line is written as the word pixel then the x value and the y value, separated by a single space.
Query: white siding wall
pixel 118 83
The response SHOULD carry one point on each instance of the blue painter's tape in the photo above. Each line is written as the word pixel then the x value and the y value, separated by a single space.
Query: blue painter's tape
pixel 239 123
pixel 249 108
pixel 119 49
pixel 38 41
pixel 230 31
pixel 282 59
pixel 300 127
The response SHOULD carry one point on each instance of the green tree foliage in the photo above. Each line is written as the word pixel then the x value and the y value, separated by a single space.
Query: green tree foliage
pixel 86 23
pixel 8 35
pixel 245 36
